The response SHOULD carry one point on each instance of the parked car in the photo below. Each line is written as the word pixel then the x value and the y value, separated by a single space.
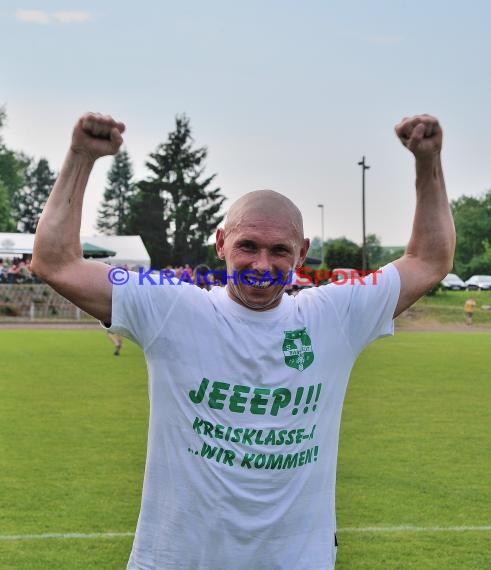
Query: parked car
pixel 453 282
pixel 298 283
pixel 478 283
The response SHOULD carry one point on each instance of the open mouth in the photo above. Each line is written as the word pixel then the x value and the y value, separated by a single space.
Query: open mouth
pixel 263 282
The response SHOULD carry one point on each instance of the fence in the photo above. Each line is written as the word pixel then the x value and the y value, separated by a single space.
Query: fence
pixel 36 301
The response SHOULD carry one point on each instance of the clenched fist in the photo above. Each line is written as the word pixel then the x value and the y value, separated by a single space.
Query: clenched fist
pixel 422 135
pixel 97 135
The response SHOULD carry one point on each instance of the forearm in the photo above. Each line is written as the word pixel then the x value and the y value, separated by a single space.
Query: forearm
pixel 57 241
pixel 432 240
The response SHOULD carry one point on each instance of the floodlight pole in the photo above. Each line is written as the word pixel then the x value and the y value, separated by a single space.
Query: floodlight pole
pixel 321 206
pixel 364 246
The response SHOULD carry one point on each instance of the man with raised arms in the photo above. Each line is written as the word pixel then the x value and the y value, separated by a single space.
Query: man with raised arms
pixel 246 382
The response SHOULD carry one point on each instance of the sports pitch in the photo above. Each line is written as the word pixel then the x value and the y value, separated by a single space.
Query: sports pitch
pixel 413 490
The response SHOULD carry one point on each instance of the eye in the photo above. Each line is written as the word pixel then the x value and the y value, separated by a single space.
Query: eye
pixel 280 250
pixel 247 246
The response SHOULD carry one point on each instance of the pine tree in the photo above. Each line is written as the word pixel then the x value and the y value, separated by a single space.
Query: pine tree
pixel 146 219
pixel 29 200
pixel 113 215
pixel 181 209
pixel 3 118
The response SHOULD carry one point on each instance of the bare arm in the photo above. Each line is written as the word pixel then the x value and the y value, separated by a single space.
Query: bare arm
pixel 429 253
pixel 57 256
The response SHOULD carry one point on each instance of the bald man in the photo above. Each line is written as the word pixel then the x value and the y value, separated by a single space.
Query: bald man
pixel 246 383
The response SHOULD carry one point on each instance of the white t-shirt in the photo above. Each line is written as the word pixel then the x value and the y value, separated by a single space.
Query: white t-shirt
pixel 245 408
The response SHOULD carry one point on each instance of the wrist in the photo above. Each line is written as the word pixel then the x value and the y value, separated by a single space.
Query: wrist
pixel 427 160
pixel 429 172
pixel 428 165
pixel 81 156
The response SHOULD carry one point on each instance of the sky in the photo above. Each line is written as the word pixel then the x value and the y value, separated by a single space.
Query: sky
pixel 287 95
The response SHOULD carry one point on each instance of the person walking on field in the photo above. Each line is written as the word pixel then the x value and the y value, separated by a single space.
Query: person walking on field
pixel 117 341
pixel 246 383
pixel 469 307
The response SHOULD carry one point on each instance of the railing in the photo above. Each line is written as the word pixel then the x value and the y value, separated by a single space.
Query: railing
pixel 34 302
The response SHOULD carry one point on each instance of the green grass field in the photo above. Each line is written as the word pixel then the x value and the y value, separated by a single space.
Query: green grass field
pixel 415 451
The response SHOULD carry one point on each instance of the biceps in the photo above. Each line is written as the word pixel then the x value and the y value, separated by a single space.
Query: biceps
pixel 417 278
pixel 86 284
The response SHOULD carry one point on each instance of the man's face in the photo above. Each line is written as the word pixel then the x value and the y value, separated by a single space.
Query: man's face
pixel 257 248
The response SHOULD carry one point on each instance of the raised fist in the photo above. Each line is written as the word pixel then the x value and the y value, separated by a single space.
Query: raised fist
pixel 97 135
pixel 421 134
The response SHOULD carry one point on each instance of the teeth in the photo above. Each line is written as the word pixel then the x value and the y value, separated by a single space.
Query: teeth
pixel 256 282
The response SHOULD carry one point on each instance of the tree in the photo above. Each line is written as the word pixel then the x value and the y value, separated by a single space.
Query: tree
pixel 114 213
pixel 389 253
pixel 29 200
pixel 480 264
pixel 13 166
pixel 3 118
pixel 374 251
pixel 315 249
pixel 13 170
pixel 181 211
pixel 6 222
pixel 342 252
pixel 472 217
pixel 146 219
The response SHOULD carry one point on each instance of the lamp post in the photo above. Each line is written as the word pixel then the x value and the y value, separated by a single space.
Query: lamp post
pixel 364 246
pixel 321 206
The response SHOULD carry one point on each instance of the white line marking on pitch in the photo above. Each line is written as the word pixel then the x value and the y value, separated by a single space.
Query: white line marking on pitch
pixel 65 535
pixel 367 529
pixel 416 529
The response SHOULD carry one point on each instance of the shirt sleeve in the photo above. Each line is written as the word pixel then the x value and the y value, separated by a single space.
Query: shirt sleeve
pixel 373 306
pixel 366 307
pixel 140 308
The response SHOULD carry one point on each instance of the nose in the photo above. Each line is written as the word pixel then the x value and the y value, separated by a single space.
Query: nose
pixel 261 262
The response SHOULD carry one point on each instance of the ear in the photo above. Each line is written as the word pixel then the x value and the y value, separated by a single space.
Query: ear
pixel 219 243
pixel 303 252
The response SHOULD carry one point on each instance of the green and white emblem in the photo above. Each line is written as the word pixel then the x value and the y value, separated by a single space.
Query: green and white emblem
pixel 297 348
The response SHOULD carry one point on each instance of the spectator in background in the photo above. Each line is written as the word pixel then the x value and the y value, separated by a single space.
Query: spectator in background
pixel 221 273
pixel 23 273
pixel 19 271
pixel 13 272
pixel 199 277
pixel 117 340
pixel 469 307
pixel 3 271
pixel 167 270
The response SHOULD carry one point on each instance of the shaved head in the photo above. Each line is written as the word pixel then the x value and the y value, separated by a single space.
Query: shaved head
pixel 262 236
pixel 264 205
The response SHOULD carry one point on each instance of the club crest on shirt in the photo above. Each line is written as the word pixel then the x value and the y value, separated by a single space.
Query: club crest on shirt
pixel 297 349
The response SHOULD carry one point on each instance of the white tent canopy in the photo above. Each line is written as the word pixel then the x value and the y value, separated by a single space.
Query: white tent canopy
pixel 129 249
pixel 15 244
